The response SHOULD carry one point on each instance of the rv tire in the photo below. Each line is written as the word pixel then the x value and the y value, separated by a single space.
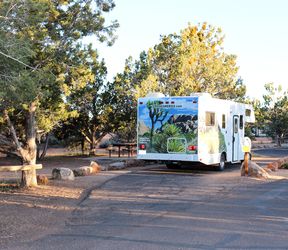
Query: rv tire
pixel 221 165
pixel 171 165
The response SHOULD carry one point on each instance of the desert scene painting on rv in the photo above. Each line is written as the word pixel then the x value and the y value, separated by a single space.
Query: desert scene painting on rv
pixel 196 128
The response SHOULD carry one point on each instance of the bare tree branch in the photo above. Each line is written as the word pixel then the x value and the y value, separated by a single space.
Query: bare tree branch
pixel 12 130
pixel 15 59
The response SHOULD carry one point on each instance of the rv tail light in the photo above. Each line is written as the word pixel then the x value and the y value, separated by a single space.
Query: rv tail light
pixel 142 146
pixel 192 148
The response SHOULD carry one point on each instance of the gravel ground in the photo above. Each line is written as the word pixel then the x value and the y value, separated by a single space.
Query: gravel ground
pixel 28 214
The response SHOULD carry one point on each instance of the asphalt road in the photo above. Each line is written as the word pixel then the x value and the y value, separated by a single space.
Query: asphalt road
pixel 272 152
pixel 190 209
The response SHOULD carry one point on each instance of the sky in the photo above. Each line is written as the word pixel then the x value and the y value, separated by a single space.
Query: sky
pixel 256 31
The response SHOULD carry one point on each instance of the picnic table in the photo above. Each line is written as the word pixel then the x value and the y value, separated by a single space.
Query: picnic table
pixel 129 146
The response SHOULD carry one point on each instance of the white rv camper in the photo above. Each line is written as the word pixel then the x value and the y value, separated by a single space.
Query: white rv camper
pixel 196 128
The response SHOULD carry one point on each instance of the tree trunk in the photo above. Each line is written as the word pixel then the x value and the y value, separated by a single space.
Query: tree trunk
pixel 45 147
pixel 278 140
pixel 93 142
pixel 30 153
pixel 83 146
pixel 92 145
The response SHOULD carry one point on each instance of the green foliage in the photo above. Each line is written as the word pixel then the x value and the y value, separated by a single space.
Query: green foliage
pixel 171 130
pixel 176 146
pixel 285 166
pixel 274 112
pixel 156 114
pixel 160 139
pixel 193 61
pixel 159 143
pixel 43 59
pixel 191 136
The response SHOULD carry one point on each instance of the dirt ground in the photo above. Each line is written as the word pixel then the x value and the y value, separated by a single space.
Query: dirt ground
pixel 31 213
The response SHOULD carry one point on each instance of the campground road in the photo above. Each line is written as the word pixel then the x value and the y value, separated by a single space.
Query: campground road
pixel 272 152
pixel 191 209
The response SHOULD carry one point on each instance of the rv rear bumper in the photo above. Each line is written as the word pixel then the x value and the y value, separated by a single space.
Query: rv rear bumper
pixel 168 157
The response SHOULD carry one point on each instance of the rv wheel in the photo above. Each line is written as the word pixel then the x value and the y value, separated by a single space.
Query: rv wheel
pixel 171 165
pixel 221 165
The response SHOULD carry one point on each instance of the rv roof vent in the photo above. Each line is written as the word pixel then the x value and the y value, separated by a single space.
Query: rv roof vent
pixel 201 94
pixel 155 94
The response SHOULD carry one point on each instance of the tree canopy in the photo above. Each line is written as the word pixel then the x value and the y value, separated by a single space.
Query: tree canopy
pixel 192 61
pixel 43 62
pixel 274 112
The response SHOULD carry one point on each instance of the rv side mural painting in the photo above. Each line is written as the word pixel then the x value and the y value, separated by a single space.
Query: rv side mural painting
pixel 168 125
pixel 171 126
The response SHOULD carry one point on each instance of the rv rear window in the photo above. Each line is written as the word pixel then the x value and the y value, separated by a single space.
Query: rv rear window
pixel 210 119
pixel 241 122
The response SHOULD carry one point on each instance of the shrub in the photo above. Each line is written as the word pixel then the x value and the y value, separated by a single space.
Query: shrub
pixel 285 166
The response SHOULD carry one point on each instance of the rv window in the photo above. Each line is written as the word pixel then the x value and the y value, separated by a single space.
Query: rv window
pixel 241 122
pixel 210 119
pixel 235 126
pixel 223 121
pixel 248 112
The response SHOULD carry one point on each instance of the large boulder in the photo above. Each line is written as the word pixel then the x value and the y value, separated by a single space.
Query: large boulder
pixel 96 168
pixel 134 163
pixel 63 174
pixel 83 171
pixel 254 170
pixel 117 165
pixel 274 166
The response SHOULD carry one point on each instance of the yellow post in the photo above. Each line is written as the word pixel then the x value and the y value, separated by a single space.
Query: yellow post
pixel 246 159
pixel 246 148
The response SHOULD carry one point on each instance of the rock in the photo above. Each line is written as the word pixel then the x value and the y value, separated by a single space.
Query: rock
pixel 134 163
pixel 83 171
pixel 285 161
pixel 254 170
pixel 117 165
pixel 95 167
pixel 269 171
pixel 63 174
pixel 42 180
pixel 273 166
